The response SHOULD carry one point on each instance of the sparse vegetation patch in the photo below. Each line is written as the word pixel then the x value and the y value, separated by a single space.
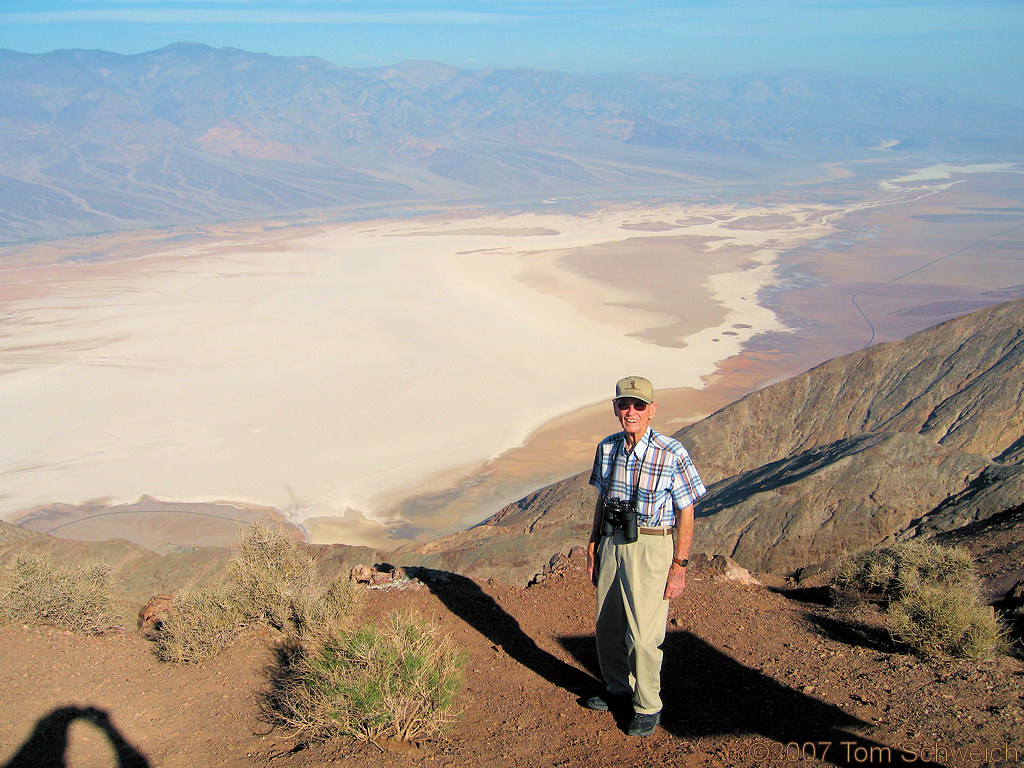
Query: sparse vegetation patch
pixel 945 622
pixel 34 589
pixel 268 573
pixel 200 624
pixel 929 595
pixel 270 581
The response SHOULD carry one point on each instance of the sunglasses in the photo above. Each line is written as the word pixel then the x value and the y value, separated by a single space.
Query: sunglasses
pixel 624 404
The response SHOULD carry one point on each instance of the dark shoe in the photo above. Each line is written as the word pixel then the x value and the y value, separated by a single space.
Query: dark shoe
pixel 606 701
pixel 644 725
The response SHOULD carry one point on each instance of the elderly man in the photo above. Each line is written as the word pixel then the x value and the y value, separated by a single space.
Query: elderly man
pixel 639 545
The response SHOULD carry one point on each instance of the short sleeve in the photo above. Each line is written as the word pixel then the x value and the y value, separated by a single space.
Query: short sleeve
pixel 687 486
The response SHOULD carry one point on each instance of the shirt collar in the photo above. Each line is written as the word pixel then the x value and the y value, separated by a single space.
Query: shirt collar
pixel 646 437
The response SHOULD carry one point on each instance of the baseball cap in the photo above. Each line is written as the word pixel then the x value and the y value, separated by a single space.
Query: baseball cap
pixel 635 386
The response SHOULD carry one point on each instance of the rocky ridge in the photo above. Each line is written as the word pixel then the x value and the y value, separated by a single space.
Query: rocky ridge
pixel 913 438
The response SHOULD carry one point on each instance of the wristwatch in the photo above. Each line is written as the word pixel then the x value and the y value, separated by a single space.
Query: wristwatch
pixel 682 561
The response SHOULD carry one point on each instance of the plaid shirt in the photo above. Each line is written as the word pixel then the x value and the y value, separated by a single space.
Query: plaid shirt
pixel 668 481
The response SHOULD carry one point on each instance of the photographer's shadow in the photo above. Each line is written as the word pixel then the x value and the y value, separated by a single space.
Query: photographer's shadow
pixel 48 743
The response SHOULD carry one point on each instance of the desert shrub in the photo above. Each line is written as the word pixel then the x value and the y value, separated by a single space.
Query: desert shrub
pixel 37 590
pixel 200 624
pixel 401 681
pixel 323 614
pixel 268 572
pixel 930 597
pixel 937 621
pixel 270 581
pixel 887 574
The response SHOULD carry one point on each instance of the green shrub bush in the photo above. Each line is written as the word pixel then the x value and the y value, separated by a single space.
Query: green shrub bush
pixel 930 597
pixel 401 681
pixel 34 589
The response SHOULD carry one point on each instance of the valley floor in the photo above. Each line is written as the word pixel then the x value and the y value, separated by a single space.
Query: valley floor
pixel 753 676
pixel 206 365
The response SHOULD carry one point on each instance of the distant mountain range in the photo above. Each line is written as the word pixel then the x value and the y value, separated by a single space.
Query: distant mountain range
pixel 93 141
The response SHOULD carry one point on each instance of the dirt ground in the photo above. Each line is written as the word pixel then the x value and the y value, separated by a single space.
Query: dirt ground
pixel 754 675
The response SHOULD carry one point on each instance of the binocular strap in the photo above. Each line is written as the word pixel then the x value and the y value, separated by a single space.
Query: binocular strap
pixel 635 487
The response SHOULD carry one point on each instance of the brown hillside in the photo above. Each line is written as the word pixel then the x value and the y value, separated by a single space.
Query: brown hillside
pixel 958 383
pixel 754 676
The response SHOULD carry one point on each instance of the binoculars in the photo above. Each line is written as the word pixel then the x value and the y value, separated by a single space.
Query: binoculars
pixel 619 513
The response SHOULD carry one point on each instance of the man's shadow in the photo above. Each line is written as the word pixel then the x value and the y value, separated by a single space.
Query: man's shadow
pixel 707 693
pixel 46 746
pixel 464 598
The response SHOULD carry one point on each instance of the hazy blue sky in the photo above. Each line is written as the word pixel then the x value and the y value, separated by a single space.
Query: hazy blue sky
pixel 973 46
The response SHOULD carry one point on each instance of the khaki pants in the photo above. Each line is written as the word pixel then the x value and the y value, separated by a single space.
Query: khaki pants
pixel 631 616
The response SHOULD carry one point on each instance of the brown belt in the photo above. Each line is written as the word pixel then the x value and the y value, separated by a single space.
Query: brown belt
pixel 654 531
